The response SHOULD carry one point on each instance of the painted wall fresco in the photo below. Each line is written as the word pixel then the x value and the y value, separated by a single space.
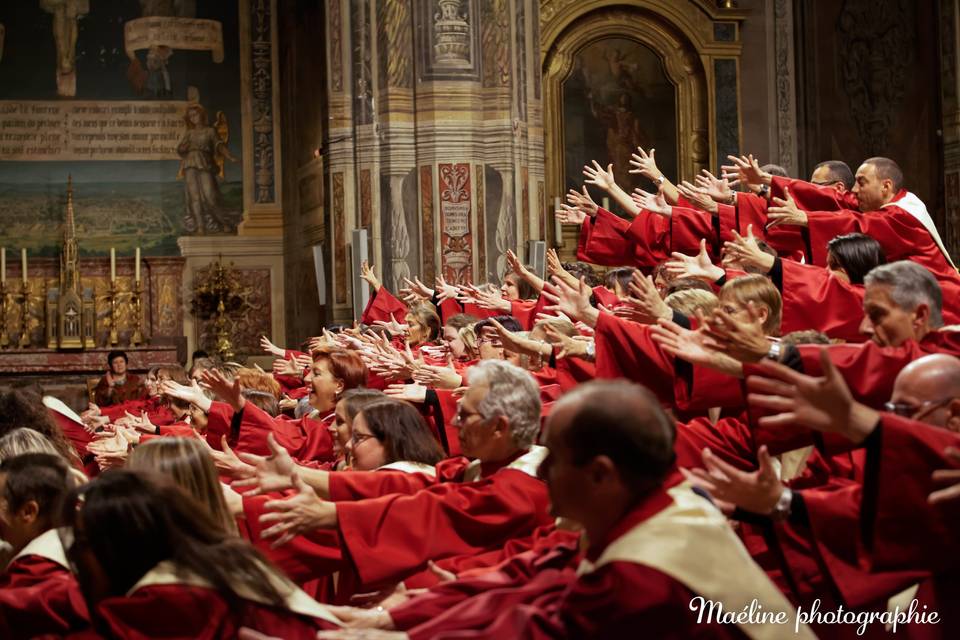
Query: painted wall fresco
pixel 617 98
pixel 138 100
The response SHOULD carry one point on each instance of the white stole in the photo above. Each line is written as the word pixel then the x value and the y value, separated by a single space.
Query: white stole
pixel 294 599
pixel 408 466
pixel 47 545
pixel 529 463
pixel 915 207
pixel 692 542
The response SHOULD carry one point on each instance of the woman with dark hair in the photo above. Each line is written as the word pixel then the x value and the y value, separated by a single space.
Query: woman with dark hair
pixel 618 280
pixel 142 548
pixel 24 409
pixel 853 255
pixel 349 405
pixel 391 434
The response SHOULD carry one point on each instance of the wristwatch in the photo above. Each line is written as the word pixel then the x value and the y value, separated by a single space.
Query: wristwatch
pixel 660 180
pixel 764 191
pixel 781 510
pixel 591 351
pixel 774 353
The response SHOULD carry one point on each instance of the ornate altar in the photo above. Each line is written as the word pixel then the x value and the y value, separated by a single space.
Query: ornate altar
pixel 60 317
pixel 70 310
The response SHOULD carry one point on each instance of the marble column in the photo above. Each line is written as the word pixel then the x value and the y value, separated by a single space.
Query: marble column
pixel 435 134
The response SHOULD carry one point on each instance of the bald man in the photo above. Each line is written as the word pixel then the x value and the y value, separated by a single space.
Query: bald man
pixel 611 468
pixel 902 529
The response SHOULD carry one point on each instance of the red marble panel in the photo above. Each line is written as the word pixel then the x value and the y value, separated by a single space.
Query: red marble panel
pixel 456 236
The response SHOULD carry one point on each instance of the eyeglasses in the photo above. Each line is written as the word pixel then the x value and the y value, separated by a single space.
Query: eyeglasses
pixel 914 411
pixel 358 438
pixel 462 416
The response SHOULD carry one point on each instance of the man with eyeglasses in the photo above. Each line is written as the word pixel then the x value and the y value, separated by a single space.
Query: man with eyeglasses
pixel 905 523
pixel 477 505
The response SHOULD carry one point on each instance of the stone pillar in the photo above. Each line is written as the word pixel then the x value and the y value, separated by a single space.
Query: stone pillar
pixel 440 100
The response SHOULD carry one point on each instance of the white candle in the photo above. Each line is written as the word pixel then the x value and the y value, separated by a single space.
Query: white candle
pixel 3 264
pixel 137 268
pixel 606 203
pixel 23 264
pixel 113 264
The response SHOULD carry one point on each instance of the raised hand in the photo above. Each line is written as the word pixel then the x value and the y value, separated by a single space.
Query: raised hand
pixel 582 201
pixel 822 403
pixel 227 390
pixel 419 287
pixel 515 265
pixel 437 377
pixel 645 164
pixel 518 344
pixel 410 392
pixel 645 300
pixel 755 491
pixel 567 346
pixel 262 474
pixel 395 328
pixel 269 347
pixel 301 513
pixel 570 215
pixel 786 211
pixel 597 176
pixel 192 394
pixel 698 266
pixel 653 203
pixel 746 251
pixel 445 291
pixel 573 302
pixel 717 188
pixel 227 461
pixel 745 170
pixel 693 346
pixel 367 273
pixel 743 340
pixel 698 196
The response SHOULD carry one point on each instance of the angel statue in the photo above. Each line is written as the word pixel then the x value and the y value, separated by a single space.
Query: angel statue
pixel 203 150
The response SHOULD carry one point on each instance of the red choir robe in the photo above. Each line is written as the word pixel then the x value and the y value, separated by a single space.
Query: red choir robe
pixel 641 578
pixel 70 423
pixel 306 439
pixel 201 613
pixel 383 537
pixel 902 531
pixel 603 240
pixel 789 241
pixel 813 298
pixel 383 306
pixel 900 233
pixel 541 541
pixel 870 369
pixel 625 349
pixel 154 406
pixel 38 593
pixel 534 579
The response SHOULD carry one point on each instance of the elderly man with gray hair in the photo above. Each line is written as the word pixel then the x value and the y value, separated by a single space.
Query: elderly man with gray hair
pixel 903 315
pixel 472 506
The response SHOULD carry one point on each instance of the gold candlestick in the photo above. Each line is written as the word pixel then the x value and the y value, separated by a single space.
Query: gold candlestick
pixel 114 335
pixel 135 299
pixel 25 315
pixel 4 336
